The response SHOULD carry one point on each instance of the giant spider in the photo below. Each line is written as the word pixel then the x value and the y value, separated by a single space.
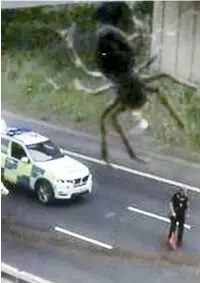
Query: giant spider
pixel 115 60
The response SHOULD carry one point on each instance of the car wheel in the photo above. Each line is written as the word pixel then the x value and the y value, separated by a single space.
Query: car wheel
pixel 45 192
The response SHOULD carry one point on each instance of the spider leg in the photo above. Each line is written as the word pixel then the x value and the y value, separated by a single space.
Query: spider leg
pixel 151 78
pixel 78 85
pixel 151 89
pixel 133 36
pixel 148 79
pixel 164 101
pixel 147 64
pixel 155 77
pixel 119 129
pixel 76 59
pixel 107 111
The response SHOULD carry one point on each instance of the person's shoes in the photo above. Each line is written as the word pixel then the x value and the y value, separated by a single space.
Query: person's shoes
pixel 171 241
pixel 179 243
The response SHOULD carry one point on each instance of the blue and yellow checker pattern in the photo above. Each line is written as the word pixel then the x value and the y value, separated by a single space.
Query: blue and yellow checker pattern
pixel 24 174
pixel 27 173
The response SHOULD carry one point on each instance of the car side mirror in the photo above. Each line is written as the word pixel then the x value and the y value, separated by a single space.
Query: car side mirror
pixel 24 160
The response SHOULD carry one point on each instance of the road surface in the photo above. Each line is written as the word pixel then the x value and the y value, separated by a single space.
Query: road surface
pixel 134 242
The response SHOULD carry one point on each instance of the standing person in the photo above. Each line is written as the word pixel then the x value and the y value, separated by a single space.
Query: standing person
pixel 178 207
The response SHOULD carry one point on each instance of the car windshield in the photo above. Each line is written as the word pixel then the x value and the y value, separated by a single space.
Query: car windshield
pixel 44 151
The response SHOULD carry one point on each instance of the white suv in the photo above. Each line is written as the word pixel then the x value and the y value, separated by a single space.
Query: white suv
pixel 34 161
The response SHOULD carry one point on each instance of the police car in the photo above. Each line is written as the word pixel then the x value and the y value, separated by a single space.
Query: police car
pixel 34 161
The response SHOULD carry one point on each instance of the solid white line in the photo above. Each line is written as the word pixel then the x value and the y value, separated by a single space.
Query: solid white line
pixel 133 171
pixel 19 275
pixel 154 216
pixel 95 242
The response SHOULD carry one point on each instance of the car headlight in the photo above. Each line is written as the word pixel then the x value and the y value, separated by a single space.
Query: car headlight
pixel 60 181
pixel 64 181
pixel 67 183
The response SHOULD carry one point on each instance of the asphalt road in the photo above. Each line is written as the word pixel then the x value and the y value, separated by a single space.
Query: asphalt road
pixel 30 242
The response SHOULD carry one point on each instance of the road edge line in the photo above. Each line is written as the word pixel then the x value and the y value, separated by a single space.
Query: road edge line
pixel 133 171
pixel 8 271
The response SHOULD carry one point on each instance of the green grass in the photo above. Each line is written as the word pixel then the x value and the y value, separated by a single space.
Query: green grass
pixel 25 87
pixel 185 144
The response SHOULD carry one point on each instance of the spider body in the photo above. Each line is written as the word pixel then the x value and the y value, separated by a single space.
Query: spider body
pixel 114 54
pixel 115 60
pixel 131 92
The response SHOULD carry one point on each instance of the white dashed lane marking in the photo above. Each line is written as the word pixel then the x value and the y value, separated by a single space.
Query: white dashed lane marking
pixel 83 238
pixel 153 215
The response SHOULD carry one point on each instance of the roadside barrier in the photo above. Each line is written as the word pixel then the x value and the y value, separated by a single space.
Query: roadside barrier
pixel 15 275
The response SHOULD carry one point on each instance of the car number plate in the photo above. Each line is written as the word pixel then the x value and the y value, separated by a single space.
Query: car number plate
pixel 80 190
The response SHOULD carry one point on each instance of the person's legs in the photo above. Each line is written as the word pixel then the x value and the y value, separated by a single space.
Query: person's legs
pixel 181 220
pixel 172 228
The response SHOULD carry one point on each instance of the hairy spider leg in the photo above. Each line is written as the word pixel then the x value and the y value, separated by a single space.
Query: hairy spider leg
pixel 163 100
pixel 155 77
pixel 147 64
pixel 95 91
pixel 105 114
pixel 75 57
pixel 114 116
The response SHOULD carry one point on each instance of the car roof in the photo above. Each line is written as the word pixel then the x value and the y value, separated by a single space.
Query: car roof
pixel 25 136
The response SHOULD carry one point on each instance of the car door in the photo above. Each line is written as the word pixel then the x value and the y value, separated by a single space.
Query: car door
pixel 4 153
pixel 11 163
pixel 14 167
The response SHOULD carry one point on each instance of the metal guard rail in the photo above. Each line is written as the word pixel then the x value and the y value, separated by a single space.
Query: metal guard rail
pixel 19 276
